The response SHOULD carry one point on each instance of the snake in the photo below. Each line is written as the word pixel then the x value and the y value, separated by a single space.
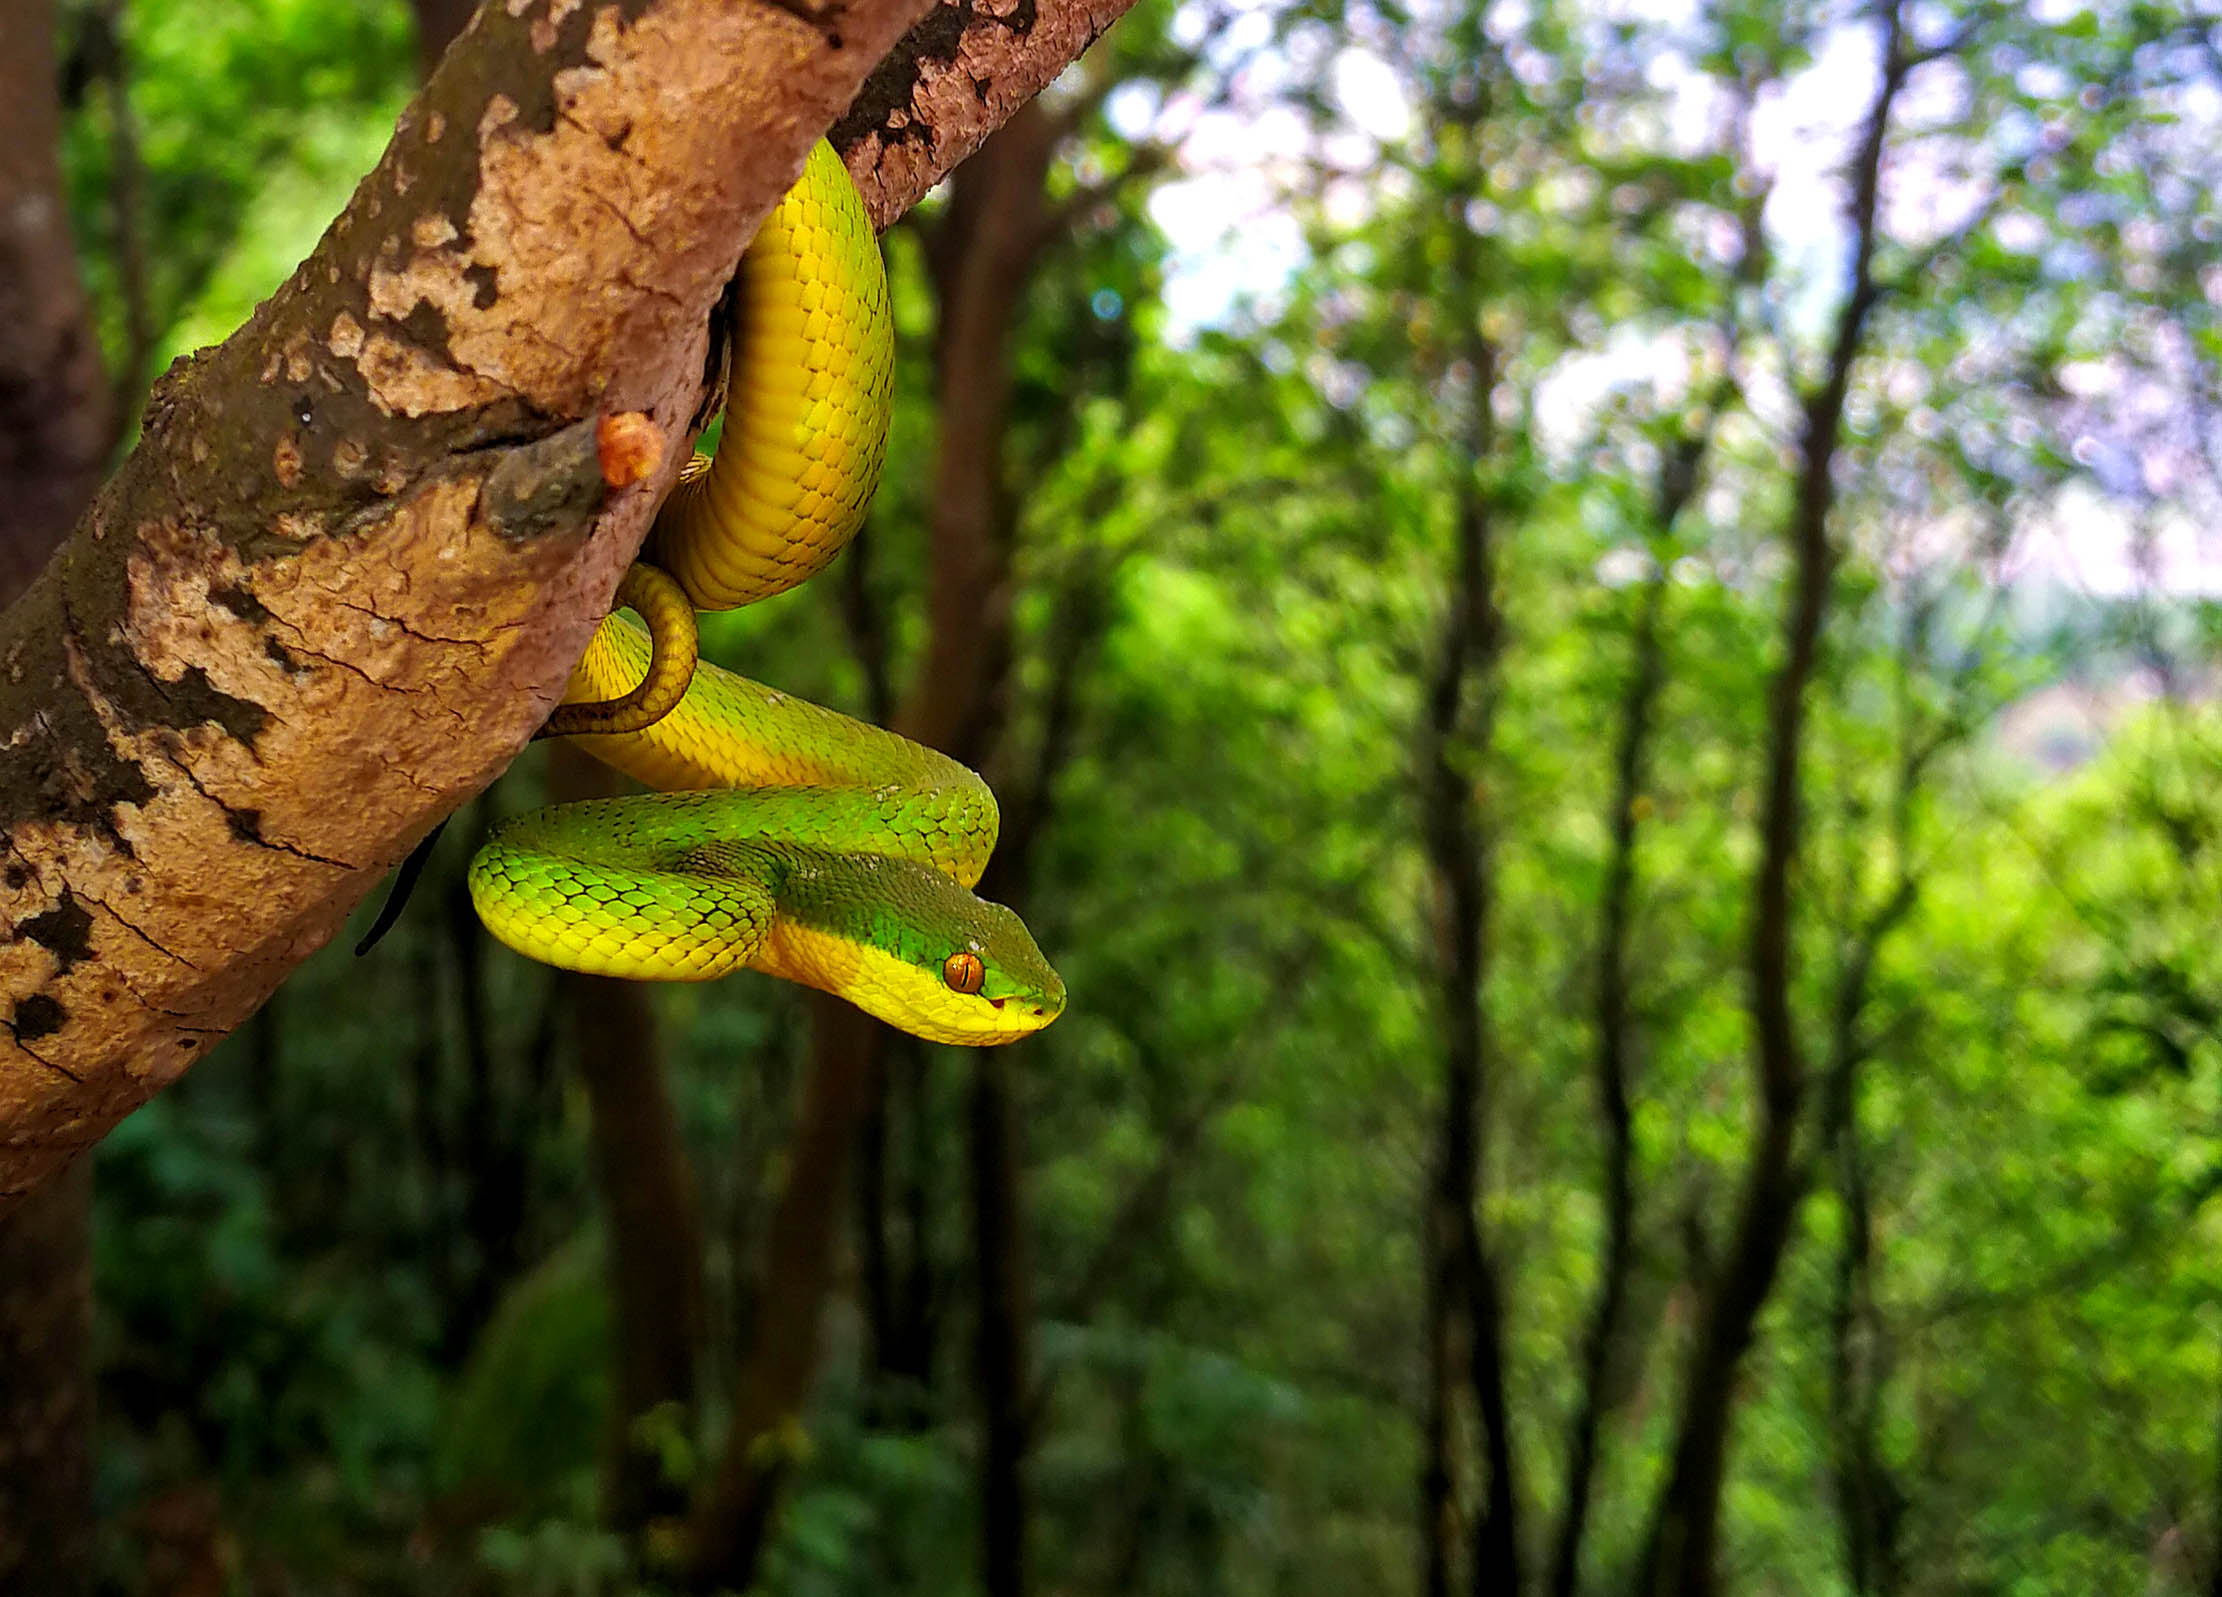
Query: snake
pixel 781 836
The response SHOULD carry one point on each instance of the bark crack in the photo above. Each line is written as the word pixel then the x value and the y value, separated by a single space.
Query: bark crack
pixel 58 1069
pixel 139 932
pixel 141 999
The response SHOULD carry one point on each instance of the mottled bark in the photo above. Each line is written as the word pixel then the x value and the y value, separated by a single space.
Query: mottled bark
pixel 360 544
pixel 959 75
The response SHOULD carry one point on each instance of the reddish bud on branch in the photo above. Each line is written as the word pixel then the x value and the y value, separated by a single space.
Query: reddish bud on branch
pixel 630 447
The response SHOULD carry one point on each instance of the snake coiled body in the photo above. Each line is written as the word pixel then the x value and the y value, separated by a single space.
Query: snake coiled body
pixel 788 839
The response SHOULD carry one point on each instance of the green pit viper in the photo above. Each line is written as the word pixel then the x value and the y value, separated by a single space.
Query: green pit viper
pixel 787 839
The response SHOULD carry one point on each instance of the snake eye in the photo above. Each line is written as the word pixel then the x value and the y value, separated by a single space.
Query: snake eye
pixel 963 972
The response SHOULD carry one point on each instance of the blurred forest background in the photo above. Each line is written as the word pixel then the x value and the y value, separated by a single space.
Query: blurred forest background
pixel 1598 626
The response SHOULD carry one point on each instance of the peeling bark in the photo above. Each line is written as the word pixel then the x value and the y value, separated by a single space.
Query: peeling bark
pixel 360 544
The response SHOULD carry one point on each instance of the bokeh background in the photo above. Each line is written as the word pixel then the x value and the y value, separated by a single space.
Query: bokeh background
pixel 1410 507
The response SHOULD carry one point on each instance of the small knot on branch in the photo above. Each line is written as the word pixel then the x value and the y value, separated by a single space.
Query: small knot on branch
pixel 630 446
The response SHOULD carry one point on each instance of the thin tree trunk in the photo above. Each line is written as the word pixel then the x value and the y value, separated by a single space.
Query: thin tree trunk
pixel 2214 1570
pixel 53 436
pixel 919 1309
pixel 1615 1024
pixel 1850 1375
pixel 1601 1336
pixel 1438 1482
pixel 875 1267
pixel 733 1516
pixel 654 1230
pixel 954 706
pixel 1463 1299
pixel 1458 737
pixel 54 403
pixel 486 1136
pixel 127 204
pixel 1867 1497
pixel 1002 1330
pixel 1870 1502
pixel 897 1290
pixel 46 1322
pixel 983 254
pixel 1681 1551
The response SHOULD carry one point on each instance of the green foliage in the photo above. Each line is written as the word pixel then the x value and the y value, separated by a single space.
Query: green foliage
pixel 350 1270
pixel 250 122
pixel 528 1411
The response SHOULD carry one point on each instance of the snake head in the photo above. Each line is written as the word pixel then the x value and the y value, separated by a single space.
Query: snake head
pixel 995 985
pixel 907 945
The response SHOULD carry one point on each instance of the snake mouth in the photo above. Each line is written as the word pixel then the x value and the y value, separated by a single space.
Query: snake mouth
pixel 1040 1012
pixel 1008 1018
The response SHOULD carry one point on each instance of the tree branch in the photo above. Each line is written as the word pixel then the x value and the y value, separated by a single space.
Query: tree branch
pixel 954 79
pixel 360 544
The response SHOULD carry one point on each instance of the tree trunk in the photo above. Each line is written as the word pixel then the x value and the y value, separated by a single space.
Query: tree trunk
pixel 46 1324
pixel 1681 1551
pixel 1601 1336
pixel 1615 1019
pixel 653 1224
pixel 1004 1318
pixel 489 1142
pixel 54 430
pixel 732 1518
pixel 982 255
pixel 54 405
pixel 1457 738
